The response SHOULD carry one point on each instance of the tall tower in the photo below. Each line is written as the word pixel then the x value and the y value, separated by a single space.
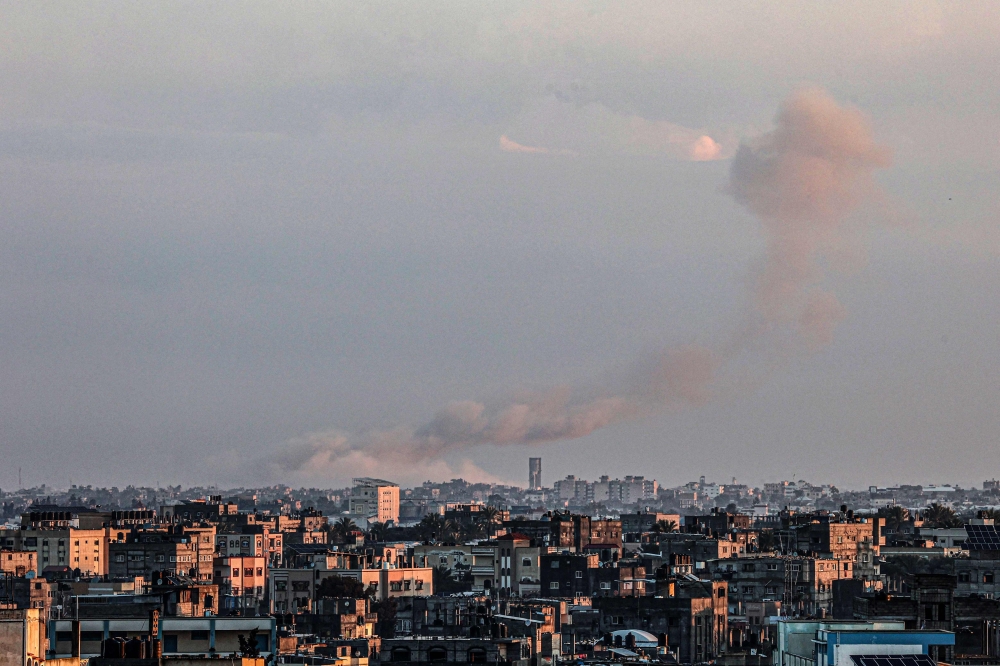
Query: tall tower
pixel 534 473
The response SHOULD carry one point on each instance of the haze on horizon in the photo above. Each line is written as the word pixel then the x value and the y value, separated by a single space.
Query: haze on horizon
pixel 239 235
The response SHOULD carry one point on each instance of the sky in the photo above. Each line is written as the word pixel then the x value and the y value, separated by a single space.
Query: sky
pixel 256 244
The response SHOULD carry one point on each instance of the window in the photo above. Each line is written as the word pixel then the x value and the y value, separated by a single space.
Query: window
pixel 748 589
pixel 120 557
pixel 748 567
pixel 988 577
pixel 525 561
pixel 605 586
pixel 437 654
pixel 579 574
pixel 247 572
pixel 554 585
pixel 260 571
pixel 555 564
pixel 420 584
pixel 236 572
pixel 773 566
pixel 199 635
pixel 963 577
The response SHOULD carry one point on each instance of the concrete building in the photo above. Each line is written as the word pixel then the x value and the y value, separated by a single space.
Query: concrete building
pixel 178 635
pixel 62 546
pixel 22 637
pixel 172 549
pixel 534 473
pixel 375 499
pixel 694 618
pixel 18 562
pixel 803 585
pixel 434 649
pixel 832 643
pixel 242 581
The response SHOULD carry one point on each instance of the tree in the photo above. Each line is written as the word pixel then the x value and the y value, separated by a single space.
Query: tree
pixel 344 528
pixel 664 526
pixel 386 610
pixel 895 516
pixel 446 582
pixel 377 532
pixel 487 520
pixel 938 515
pixel 248 646
pixel 435 527
pixel 338 587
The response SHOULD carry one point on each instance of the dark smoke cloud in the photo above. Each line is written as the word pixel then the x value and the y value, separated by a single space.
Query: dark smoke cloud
pixel 802 181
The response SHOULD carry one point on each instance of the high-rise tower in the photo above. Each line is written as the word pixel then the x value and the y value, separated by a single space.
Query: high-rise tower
pixel 534 473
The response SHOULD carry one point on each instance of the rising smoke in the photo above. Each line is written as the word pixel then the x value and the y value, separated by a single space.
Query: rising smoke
pixel 802 181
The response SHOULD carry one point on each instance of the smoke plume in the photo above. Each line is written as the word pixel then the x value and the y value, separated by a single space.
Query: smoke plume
pixel 802 181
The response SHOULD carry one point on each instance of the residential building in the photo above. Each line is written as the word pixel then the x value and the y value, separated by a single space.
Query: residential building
pixel 375 499
pixel 172 549
pixel 18 562
pixel 62 546
pixel 178 635
pixel 242 581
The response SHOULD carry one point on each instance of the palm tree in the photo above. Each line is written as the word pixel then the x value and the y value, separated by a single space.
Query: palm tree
pixel 344 527
pixel 434 526
pixel 990 514
pixel 377 531
pixel 895 516
pixel 488 519
pixel 938 515
pixel 664 526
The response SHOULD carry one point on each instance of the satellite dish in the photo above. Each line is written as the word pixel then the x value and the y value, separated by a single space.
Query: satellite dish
pixel 527 623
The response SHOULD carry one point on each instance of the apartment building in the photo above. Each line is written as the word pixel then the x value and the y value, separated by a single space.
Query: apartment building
pixel 18 562
pixel 64 546
pixel 242 581
pixel 171 549
pixel 375 499
pixel 804 585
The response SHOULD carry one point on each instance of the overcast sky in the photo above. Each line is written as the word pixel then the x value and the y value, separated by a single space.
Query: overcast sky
pixel 229 229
